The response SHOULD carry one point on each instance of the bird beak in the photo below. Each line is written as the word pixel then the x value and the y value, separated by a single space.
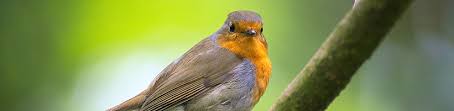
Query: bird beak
pixel 251 32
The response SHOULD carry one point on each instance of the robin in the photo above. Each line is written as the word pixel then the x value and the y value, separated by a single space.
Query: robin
pixel 227 71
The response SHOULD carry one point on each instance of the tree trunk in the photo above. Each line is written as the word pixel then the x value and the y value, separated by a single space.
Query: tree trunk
pixel 351 43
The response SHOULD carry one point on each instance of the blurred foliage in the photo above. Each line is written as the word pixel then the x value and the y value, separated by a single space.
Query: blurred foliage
pixel 87 55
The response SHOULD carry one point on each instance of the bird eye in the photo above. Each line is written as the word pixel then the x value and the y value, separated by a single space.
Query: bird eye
pixel 232 28
pixel 261 30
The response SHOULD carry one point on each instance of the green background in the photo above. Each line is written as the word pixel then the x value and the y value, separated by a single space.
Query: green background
pixel 88 55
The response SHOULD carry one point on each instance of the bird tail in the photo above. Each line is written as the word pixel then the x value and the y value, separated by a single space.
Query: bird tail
pixel 130 104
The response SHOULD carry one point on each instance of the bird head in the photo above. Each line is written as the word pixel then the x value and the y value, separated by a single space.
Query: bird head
pixel 242 33
pixel 242 24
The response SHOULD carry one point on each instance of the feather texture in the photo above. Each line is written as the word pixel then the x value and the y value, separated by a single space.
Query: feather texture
pixel 193 74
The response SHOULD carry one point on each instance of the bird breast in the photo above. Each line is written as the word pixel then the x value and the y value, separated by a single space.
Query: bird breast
pixel 235 94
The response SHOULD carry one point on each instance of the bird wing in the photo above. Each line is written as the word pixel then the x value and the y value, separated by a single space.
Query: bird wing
pixel 200 69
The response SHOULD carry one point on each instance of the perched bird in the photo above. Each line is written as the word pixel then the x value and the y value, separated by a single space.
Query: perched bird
pixel 227 71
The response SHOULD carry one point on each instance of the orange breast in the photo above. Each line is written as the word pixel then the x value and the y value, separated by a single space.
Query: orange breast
pixel 262 74
pixel 254 49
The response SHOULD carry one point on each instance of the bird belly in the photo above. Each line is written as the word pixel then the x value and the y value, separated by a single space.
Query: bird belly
pixel 235 94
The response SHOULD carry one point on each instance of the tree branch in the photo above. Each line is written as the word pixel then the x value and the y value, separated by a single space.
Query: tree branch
pixel 345 50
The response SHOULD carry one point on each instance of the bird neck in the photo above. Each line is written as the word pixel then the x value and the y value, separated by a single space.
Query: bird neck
pixel 255 50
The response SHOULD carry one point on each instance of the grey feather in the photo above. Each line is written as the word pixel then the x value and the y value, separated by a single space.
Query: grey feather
pixel 200 69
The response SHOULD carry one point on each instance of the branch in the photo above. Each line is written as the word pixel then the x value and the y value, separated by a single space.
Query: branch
pixel 345 50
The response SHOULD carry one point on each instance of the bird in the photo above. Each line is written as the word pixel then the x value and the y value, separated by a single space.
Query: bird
pixel 227 71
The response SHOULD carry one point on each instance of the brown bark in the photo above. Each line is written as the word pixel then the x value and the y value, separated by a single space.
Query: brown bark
pixel 350 44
